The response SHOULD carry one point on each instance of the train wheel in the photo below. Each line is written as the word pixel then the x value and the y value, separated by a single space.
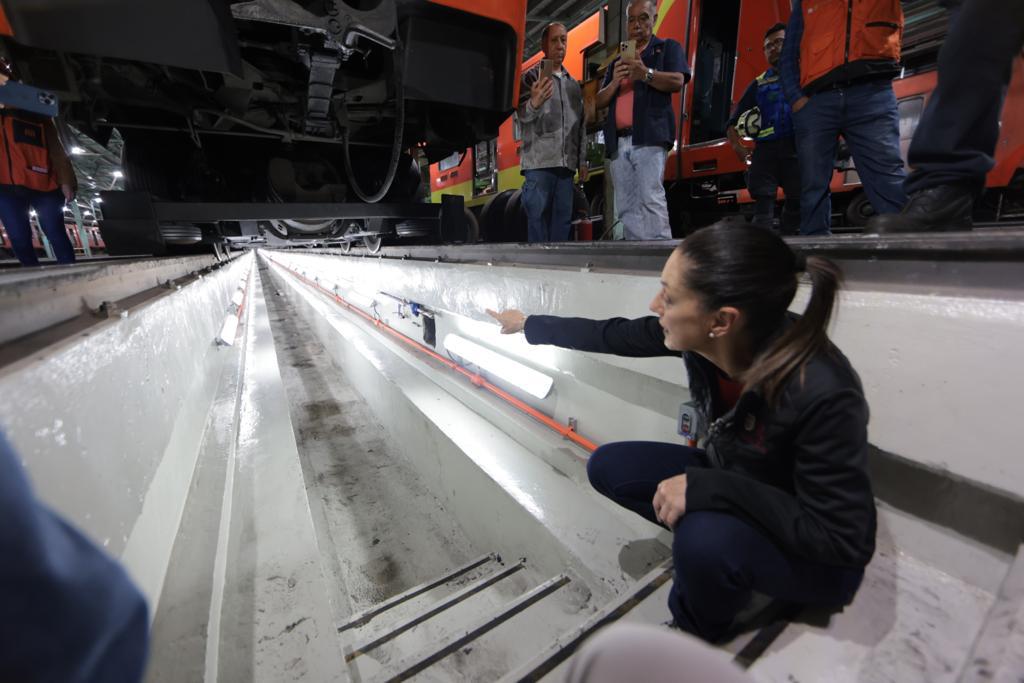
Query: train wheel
pixel 859 210
pixel 472 227
pixel 492 218
pixel 516 229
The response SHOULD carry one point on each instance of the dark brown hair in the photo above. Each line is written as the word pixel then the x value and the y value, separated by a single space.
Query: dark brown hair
pixel 547 31
pixel 754 270
pixel 774 29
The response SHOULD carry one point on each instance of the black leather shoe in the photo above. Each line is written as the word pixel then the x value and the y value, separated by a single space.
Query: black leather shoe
pixel 945 208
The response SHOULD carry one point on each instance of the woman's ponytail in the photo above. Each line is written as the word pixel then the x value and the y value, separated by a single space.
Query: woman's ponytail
pixel 806 337
pixel 754 270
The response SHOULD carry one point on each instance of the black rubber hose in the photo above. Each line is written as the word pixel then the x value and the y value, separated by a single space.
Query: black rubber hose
pixel 396 145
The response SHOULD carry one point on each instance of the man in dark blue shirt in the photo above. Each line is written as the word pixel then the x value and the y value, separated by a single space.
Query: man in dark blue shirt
pixel 774 161
pixel 641 124
pixel 68 613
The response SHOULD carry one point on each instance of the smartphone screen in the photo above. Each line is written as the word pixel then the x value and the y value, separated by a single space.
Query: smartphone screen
pixel 547 67
pixel 628 49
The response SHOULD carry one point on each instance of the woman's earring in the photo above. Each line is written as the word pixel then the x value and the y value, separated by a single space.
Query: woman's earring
pixel 711 335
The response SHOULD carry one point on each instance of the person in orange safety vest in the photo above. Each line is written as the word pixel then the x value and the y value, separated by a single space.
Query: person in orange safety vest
pixel 35 173
pixel 837 66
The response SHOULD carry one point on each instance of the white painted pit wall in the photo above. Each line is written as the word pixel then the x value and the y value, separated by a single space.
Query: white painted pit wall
pixel 941 374
pixel 109 425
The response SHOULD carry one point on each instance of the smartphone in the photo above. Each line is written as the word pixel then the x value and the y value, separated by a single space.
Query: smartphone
pixel 627 49
pixel 27 98
pixel 547 67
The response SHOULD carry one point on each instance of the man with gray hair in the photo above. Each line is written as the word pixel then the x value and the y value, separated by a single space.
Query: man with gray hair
pixel 554 134
pixel 641 125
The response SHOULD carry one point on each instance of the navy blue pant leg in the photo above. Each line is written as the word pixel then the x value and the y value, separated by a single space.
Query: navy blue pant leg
pixel 817 137
pixel 561 207
pixel 547 199
pixel 871 127
pixel 956 139
pixel 719 559
pixel 14 215
pixel 49 208
pixel 629 472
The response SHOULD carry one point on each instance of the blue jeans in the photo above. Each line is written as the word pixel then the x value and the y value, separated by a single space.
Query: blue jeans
pixel 719 559
pixel 866 116
pixel 548 198
pixel 49 206
pixel 640 204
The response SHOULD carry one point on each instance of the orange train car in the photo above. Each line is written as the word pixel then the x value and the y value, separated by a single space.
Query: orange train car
pixel 704 178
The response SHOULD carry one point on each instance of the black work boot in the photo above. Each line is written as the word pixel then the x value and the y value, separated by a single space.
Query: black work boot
pixel 944 208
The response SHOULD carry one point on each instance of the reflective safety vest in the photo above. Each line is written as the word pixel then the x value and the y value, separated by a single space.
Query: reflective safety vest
pixel 776 116
pixel 27 145
pixel 854 38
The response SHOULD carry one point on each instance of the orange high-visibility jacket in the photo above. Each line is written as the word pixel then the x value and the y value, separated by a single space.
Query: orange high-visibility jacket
pixel 32 155
pixel 848 39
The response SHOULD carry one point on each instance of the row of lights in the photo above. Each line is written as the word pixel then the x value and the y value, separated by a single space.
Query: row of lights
pixel 492 362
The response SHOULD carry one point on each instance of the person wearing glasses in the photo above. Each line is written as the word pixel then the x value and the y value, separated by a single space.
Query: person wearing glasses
pixel 641 125
pixel 773 162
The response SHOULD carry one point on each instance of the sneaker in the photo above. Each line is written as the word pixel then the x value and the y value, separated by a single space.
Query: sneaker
pixel 945 208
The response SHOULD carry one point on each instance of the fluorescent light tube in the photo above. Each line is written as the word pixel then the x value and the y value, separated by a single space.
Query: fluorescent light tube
pixel 228 330
pixel 529 380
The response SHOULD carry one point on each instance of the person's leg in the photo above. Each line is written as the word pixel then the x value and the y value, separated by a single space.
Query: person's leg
pixel 954 144
pixel 789 177
pixel 49 208
pixel 763 184
pixel 14 216
pixel 649 166
pixel 536 197
pixel 871 126
pixel 957 135
pixel 817 132
pixel 561 207
pixel 720 560
pixel 629 472
pixel 627 205
pixel 642 652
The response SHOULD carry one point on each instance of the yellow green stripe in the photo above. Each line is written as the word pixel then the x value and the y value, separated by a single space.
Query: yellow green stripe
pixel 508 179
pixel 666 6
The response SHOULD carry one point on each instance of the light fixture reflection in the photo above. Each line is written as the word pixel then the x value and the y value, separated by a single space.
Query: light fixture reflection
pixel 529 380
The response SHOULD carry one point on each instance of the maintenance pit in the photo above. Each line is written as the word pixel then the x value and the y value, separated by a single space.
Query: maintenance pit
pixel 336 494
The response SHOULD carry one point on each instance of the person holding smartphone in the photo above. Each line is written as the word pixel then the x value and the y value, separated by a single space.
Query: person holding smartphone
pixel 641 125
pixel 34 173
pixel 554 135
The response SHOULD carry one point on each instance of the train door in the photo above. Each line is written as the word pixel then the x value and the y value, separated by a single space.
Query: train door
pixel 714 69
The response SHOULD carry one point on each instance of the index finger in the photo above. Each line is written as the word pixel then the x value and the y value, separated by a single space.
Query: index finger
pixel 494 314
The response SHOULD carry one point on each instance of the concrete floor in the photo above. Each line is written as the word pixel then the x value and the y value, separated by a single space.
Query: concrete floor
pixel 330 471
pixel 381 532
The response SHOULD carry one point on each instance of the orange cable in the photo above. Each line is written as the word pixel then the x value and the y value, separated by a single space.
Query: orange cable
pixel 566 431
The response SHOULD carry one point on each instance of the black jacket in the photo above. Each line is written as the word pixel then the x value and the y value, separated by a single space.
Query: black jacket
pixel 797 470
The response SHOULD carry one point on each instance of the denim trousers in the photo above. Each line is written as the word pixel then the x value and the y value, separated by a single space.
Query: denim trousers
pixel 865 115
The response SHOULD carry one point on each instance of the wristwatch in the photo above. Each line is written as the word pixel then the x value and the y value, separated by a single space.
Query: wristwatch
pixel 649 76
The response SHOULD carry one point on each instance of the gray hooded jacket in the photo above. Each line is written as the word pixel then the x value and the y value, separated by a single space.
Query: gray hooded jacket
pixel 554 136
